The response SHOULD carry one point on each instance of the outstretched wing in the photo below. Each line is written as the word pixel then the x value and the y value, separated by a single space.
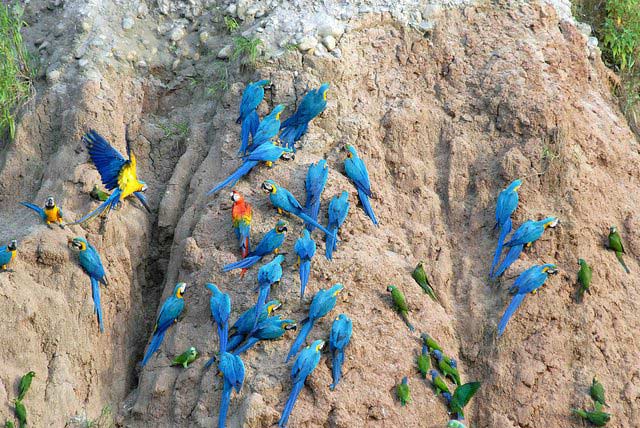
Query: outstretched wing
pixel 107 160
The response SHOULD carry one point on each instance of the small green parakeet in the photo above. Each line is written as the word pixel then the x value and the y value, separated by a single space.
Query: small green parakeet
pixel 430 342
pixel 461 397
pixel 400 304
pixel 25 384
pixel 446 368
pixel 584 279
pixel 455 424
pixel 424 362
pixel 596 417
pixel 8 424
pixel 597 392
pixel 615 244
pixel 438 382
pixel 420 276
pixel 404 395
pixel 186 358
pixel 98 194
pixel 21 413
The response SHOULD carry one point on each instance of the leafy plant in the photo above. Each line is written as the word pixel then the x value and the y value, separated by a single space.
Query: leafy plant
pixel 220 84
pixel 231 24
pixel 16 72
pixel 621 32
pixel 180 130
pixel 246 49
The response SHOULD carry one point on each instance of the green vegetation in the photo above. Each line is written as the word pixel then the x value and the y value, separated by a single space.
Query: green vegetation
pixel 245 50
pixel 616 24
pixel 220 83
pixel 105 420
pixel 16 73
pixel 171 130
pixel 231 24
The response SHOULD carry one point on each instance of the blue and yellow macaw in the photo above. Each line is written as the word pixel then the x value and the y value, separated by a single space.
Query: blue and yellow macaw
pixel 220 305
pixel 51 213
pixel 357 172
pixel 248 117
pixel 169 313
pixel 268 274
pixel 232 369
pixel 338 210
pixel 284 201
pixel 528 282
pixel 244 324
pixel 7 254
pixel 267 153
pixel 241 214
pixel 268 129
pixel 92 265
pixel 323 302
pixel 506 205
pixel 270 243
pixel 270 328
pixel 313 103
pixel 305 249
pixel 306 362
pixel 528 232
pixel 117 173
pixel 339 338
pixel 314 185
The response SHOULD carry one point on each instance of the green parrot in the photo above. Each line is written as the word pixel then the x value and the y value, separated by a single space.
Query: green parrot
pixel 597 392
pixel 420 276
pixel 25 384
pixel 424 362
pixel 446 368
pixel 615 244
pixel 430 342
pixel 21 413
pixel 438 383
pixel 186 358
pixel 403 392
pixel 8 424
pixel 584 279
pixel 461 397
pixel 98 194
pixel 455 424
pixel 596 417
pixel 400 304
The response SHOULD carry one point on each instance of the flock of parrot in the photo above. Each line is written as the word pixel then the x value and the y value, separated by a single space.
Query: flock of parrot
pixel 268 141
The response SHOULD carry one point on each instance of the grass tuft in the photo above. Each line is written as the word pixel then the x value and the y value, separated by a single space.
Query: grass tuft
pixel 246 50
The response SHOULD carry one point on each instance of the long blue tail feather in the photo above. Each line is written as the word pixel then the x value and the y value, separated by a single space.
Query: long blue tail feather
pixel 36 208
pixel 504 231
pixel 302 336
pixel 305 269
pixel 338 360
pixel 95 292
pixel 291 401
pixel 512 256
pixel 223 336
pixel 331 244
pixel 313 222
pixel 156 341
pixel 513 306
pixel 234 341
pixel 242 264
pixel 246 345
pixel 104 208
pixel 263 295
pixel 366 205
pixel 233 178
pixel 249 126
pixel 224 405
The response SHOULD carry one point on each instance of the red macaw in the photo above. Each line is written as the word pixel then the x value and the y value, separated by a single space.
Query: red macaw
pixel 241 220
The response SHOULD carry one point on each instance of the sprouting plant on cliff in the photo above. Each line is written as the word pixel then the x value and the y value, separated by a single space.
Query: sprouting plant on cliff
pixel 621 32
pixel 231 24
pixel 16 72
pixel 246 49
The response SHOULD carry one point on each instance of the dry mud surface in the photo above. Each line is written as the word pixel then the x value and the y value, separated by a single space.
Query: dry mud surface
pixel 444 121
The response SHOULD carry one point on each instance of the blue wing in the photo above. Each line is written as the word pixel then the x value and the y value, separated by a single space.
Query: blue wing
pixel 171 309
pixel 91 263
pixel 357 172
pixel 266 244
pixel 513 306
pixel 107 160
pixel 36 208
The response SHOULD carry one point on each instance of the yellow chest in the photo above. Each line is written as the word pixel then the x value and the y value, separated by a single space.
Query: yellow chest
pixel 52 214
pixel 13 255
pixel 128 181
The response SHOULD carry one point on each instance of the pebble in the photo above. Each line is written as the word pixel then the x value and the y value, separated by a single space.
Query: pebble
pixel 143 10
pixel 127 23
pixel 204 36
pixel 83 62
pixel 225 52
pixel 329 42
pixel 85 26
pixel 331 28
pixel 592 42
pixel 53 76
pixel 231 9
pixel 177 34
pixel 307 43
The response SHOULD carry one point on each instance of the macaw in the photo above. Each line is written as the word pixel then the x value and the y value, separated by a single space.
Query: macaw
pixel 51 213
pixel 339 338
pixel 220 305
pixel 461 397
pixel 445 367
pixel 584 279
pixel 232 369
pixel 424 362
pixel 323 302
pixel 615 244
pixel 403 393
pixel 438 383
pixel 248 117
pixel 305 249
pixel 597 392
pixel 186 358
pixel 169 313
pixel 420 277
pixel 25 384
pixel 268 129
pixel 506 205
pixel 314 185
pixel 98 194
pixel 455 424
pixel 430 342
pixel 338 210
pixel 270 243
pixel 117 173
pixel 302 368
pixel 357 172
pixel 7 254
pixel 241 221
pixel 267 153
pixel 528 282
pixel 528 232
pixel 400 304
pixel 313 103
pixel 283 200
pixel 21 413
pixel 596 417
pixel 268 274
pixel 244 324
pixel 271 328
pixel 92 265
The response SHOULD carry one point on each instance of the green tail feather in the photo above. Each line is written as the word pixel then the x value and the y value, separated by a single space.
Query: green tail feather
pixel 621 260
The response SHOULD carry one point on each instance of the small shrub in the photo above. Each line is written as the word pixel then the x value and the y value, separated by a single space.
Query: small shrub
pixel 231 24
pixel 245 50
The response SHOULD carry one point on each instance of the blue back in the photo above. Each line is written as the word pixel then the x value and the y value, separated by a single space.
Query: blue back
pixel 171 309
pixel 357 171
pixel 5 256
pixel 316 180
pixel 271 272
pixel 338 209
pixel 271 328
pixel 269 242
pixel 268 152
pixel 341 330
pixel 91 263
pixel 269 126
pixel 252 97
pixel 306 362
pixel 305 246
pixel 220 304
pixel 324 301
pixel 232 369
pixel 507 202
